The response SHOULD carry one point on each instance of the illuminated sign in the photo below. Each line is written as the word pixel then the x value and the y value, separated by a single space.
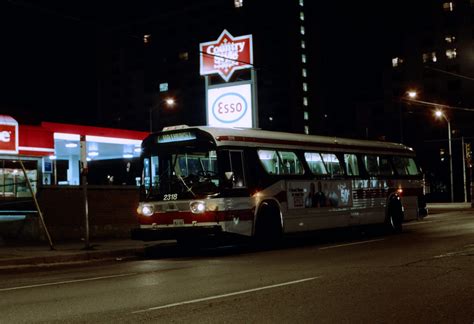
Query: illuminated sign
pixel 8 135
pixel 230 106
pixel 176 137
pixel 226 55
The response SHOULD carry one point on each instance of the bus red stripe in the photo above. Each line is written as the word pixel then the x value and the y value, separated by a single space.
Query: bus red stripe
pixel 188 217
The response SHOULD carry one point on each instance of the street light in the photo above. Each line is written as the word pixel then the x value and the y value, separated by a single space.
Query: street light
pixel 411 94
pixel 169 102
pixel 439 114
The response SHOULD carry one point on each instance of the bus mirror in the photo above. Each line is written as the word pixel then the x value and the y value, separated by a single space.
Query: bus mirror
pixel 229 179
pixel 229 175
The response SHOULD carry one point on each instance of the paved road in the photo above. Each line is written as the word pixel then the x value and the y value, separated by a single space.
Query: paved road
pixel 423 275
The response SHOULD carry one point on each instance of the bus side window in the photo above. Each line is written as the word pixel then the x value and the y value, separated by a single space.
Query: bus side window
pixel 377 165
pixel 270 161
pixel 315 163
pixel 290 164
pixel 405 165
pixel 352 166
pixel 237 167
pixel 332 164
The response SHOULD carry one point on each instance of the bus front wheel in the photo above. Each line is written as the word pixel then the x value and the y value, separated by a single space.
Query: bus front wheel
pixel 268 228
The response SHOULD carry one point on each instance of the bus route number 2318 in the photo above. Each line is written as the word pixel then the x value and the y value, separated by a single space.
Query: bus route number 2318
pixel 168 197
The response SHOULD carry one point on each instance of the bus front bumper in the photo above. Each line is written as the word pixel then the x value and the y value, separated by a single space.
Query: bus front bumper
pixel 174 232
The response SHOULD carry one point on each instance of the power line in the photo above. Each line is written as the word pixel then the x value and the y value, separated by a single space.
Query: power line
pixel 433 104
pixel 450 73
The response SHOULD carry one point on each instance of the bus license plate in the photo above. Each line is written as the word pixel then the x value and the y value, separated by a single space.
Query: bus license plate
pixel 178 222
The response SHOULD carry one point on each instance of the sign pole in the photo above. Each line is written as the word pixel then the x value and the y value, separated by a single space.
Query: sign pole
pixel 83 163
pixel 253 73
pixel 206 81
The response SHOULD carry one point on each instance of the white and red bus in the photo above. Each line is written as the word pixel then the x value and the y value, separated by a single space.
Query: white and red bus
pixel 204 181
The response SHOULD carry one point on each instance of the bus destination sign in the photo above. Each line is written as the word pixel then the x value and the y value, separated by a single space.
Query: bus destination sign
pixel 176 137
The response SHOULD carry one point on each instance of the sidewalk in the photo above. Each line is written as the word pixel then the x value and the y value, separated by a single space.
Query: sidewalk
pixel 436 208
pixel 18 255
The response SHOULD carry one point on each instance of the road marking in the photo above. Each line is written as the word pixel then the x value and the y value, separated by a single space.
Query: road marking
pixel 419 223
pixel 348 244
pixel 66 282
pixel 225 295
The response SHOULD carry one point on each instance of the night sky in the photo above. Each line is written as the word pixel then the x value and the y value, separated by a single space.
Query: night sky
pixel 49 49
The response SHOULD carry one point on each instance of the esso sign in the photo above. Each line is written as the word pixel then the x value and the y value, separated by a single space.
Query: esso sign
pixel 229 107
pixel 8 138
pixel 5 136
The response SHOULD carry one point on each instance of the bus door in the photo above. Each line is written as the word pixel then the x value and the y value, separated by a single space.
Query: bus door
pixel 235 191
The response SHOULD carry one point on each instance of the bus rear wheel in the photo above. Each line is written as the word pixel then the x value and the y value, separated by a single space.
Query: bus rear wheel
pixel 268 228
pixel 394 219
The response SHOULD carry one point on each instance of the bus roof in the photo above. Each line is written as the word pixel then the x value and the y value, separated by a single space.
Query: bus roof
pixel 252 137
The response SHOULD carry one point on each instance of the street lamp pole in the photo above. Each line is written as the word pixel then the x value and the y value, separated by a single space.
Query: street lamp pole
pixel 439 113
pixel 169 103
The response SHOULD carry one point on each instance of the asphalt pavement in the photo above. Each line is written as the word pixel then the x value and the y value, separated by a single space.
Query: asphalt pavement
pixel 16 256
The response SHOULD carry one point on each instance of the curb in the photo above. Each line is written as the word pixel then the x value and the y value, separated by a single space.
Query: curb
pixel 72 258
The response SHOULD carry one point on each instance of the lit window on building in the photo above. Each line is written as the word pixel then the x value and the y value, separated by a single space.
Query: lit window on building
pixel 305 101
pixel 450 39
pixel 451 53
pixel 301 3
pixel 426 57
pixel 303 44
pixel 146 38
pixel 305 86
pixel 306 129
pixel 305 115
pixel 396 61
pixel 304 73
pixel 184 56
pixel 448 6
pixel 301 15
pixel 302 30
pixel 303 58
pixel 238 3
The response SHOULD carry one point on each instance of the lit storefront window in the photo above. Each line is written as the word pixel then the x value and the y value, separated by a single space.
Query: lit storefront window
pixel 451 53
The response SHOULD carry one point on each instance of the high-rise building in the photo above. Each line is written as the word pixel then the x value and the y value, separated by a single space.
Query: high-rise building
pixel 433 56
pixel 305 83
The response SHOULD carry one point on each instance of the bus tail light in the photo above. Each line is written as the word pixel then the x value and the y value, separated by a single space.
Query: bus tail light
pixel 197 207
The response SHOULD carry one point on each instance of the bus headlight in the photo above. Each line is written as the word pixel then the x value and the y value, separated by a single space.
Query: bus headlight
pixel 197 207
pixel 147 210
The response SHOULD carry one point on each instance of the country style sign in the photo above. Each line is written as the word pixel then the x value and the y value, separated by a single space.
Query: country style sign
pixel 226 55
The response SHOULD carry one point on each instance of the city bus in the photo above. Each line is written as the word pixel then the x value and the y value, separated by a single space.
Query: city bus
pixel 205 182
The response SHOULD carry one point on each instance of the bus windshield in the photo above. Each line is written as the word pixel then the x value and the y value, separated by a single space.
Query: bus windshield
pixel 190 174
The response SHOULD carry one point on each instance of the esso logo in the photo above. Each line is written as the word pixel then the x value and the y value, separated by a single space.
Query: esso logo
pixel 229 107
pixel 5 136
